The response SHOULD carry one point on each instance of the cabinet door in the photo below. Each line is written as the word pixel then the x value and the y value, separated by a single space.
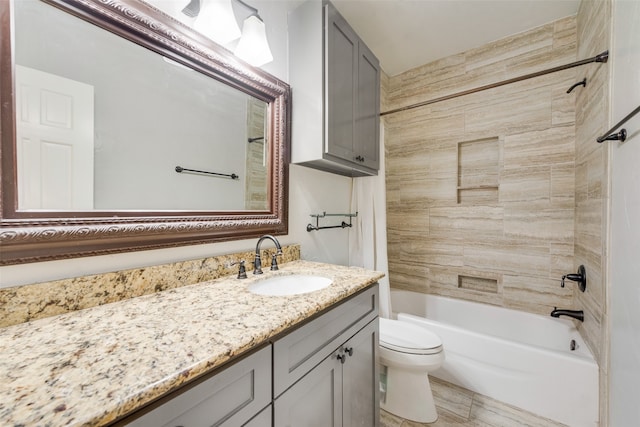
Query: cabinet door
pixel 263 419
pixel 301 350
pixel 360 379
pixel 366 148
pixel 315 400
pixel 341 66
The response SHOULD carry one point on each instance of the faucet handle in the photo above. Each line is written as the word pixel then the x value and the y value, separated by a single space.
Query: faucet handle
pixel 274 261
pixel 580 277
pixel 242 270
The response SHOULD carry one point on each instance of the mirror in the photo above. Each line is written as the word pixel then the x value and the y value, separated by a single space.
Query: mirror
pixel 99 131
pixel 141 133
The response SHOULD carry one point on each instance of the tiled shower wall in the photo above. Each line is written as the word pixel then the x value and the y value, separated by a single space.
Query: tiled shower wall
pixel 481 188
pixel 256 185
pixel 592 184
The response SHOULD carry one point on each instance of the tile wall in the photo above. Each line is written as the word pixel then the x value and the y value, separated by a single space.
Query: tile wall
pixel 592 185
pixel 492 197
pixel 481 188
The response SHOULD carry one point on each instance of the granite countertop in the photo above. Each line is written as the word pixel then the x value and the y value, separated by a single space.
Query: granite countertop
pixel 90 367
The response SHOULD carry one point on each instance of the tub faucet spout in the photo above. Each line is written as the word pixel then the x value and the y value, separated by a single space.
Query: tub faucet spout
pixel 576 314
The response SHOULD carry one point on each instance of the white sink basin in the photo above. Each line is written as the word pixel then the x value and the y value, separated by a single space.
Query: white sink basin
pixel 293 284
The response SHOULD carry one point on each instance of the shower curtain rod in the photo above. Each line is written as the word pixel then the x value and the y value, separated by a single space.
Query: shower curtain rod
pixel 603 57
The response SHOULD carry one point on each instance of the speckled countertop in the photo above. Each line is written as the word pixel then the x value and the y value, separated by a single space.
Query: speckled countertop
pixel 92 366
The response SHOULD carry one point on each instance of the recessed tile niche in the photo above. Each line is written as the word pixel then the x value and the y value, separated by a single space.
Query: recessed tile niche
pixel 478 171
pixel 480 284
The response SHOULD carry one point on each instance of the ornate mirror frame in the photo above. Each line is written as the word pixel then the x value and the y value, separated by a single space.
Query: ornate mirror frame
pixel 31 236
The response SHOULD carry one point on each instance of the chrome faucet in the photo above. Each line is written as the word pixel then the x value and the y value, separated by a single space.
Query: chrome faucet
pixel 257 263
pixel 576 314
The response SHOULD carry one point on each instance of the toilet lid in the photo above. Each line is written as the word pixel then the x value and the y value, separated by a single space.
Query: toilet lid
pixel 408 338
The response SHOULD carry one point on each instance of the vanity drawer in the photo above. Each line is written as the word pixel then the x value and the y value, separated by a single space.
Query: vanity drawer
pixel 229 398
pixel 301 350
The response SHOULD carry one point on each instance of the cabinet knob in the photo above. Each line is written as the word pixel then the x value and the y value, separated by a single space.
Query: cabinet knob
pixel 342 358
pixel 360 158
pixel 349 351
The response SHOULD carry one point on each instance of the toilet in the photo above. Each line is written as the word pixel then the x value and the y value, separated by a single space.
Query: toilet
pixel 407 353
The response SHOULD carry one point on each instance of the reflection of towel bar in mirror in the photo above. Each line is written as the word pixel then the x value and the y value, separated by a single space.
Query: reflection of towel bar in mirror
pixel 180 169
pixel 256 139
pixel 311 227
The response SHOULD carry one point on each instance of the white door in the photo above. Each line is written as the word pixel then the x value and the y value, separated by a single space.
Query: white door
pixel 54 144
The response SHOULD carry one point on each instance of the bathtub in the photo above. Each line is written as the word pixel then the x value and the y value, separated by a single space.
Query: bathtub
pixel 517 358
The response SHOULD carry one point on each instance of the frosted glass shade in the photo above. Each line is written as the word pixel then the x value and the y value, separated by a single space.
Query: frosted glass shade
pixel 217 21
pixel 253 46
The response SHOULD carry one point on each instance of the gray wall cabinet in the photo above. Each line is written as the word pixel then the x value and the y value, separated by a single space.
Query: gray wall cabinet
pixel 323 373
pixel 335 81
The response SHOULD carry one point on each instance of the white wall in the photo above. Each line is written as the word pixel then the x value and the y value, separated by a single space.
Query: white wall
pixel 310 192
pixel 624 381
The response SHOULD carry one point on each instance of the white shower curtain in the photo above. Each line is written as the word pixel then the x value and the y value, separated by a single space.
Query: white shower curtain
pixel 368 236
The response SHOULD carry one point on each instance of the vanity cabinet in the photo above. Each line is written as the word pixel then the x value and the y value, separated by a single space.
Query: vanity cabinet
pixel 327 370
pixel 230 398
pixel 335 82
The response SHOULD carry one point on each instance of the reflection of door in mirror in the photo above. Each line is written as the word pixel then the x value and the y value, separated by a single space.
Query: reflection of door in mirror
pixel 54 144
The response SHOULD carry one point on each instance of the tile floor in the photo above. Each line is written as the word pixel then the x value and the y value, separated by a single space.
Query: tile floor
pixel 458 407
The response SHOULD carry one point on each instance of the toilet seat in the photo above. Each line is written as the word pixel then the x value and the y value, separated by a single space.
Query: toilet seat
pixel 408 338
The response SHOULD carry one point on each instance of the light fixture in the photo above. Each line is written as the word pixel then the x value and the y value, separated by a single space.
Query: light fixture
pixel 253 47
pixel 216 21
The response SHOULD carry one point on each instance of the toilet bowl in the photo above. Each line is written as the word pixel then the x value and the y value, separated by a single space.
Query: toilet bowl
pixel 407 353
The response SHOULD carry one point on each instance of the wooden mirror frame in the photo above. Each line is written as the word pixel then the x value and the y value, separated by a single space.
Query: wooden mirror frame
pixel 32 236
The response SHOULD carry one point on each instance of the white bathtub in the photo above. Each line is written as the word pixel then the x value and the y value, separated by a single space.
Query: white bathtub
pixel 518 358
